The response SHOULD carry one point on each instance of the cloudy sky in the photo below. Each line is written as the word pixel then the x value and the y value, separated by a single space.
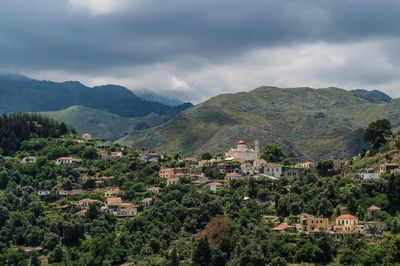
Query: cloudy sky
pixel 197 49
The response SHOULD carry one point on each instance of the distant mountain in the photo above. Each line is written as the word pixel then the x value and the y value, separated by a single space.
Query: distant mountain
pixel 373 95
pixel 22 94
pixel 149 95
pixel 308 123
pixel 103 124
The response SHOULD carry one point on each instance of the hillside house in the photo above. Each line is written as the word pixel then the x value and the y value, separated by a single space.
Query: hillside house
pixel 116 155
pixel 113 202
pixel 291 173
pixel 109 193
pixel 284 228
pixel 311 223
pixel 86 202
pixel 152 157
pixel 28 159
pixel 388 167
pixel 232 176
pixel 242 154
pixel 167 173
pixel 102 154
pixel 127 210
pixel 372 212
pixel 147 201
pixel 226 168
pixel 153 190
pixel 86 136
pixel 273 169
pixel 368 176
pixel 348 223
pixel 43 193
pixel 305 165
pixel 74 162
pixel 213 186
pixel 172 181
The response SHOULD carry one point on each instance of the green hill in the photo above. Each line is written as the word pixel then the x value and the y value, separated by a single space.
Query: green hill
pixel 103 124
pixel 309 123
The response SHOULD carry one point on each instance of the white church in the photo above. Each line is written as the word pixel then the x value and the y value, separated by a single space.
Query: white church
pixel 242 154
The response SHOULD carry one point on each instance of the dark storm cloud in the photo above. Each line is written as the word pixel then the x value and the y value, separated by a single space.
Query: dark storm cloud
pixel 55 35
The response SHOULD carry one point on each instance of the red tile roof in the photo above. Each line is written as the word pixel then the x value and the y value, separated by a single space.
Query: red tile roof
pixel 283 227
pixel 346 216
pixel 374 208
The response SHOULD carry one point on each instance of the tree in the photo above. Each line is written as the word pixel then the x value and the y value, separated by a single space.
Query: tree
pixel 323 167
pixel 252 188
pixel 377 133
pixel 202 253
pixel 273 153
pixel 206 156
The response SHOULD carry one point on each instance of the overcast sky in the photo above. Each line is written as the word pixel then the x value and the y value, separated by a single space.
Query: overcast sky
pixel 197 49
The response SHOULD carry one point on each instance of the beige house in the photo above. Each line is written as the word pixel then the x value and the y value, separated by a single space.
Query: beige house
pixel 153 190
pixel 127 210
pixel 306 165
pixel 116 154
pixel 348 223
pixel 86 202
pixel 388 167
pixel 112 192
pixel 312 223
pixel 172 181
pixel 167 173
pixel 232 176
pixel 284 228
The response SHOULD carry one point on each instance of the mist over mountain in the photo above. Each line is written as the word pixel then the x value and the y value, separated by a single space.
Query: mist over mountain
pixel 150 95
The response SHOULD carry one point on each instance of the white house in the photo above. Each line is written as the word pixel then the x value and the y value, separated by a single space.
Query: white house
pixel 273 169
pixel 366 176
pixel 214 186
pixel 68 161
pixel 29 159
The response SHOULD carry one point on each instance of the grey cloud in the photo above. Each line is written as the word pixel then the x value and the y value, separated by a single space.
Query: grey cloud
pixel 187 37
pixel 48 34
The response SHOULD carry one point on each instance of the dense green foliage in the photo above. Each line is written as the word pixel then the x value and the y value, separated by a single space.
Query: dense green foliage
pixel 178 229
pixel 378 132
pixel 16 128
pixel 272 153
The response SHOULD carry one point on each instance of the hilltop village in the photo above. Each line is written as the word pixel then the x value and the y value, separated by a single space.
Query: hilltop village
pixel 70 199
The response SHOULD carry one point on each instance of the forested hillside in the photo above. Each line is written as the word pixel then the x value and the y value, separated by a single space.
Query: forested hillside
pixel 19 127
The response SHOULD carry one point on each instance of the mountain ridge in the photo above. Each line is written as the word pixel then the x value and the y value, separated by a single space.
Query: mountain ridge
pixel 22 94
pixel 309 123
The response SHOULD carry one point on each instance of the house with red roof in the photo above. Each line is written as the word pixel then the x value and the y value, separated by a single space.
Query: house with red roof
pixel 348 223
pixel 284 228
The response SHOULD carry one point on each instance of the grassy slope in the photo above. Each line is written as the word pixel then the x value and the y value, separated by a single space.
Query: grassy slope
pixel 309 123
pixel 102 124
